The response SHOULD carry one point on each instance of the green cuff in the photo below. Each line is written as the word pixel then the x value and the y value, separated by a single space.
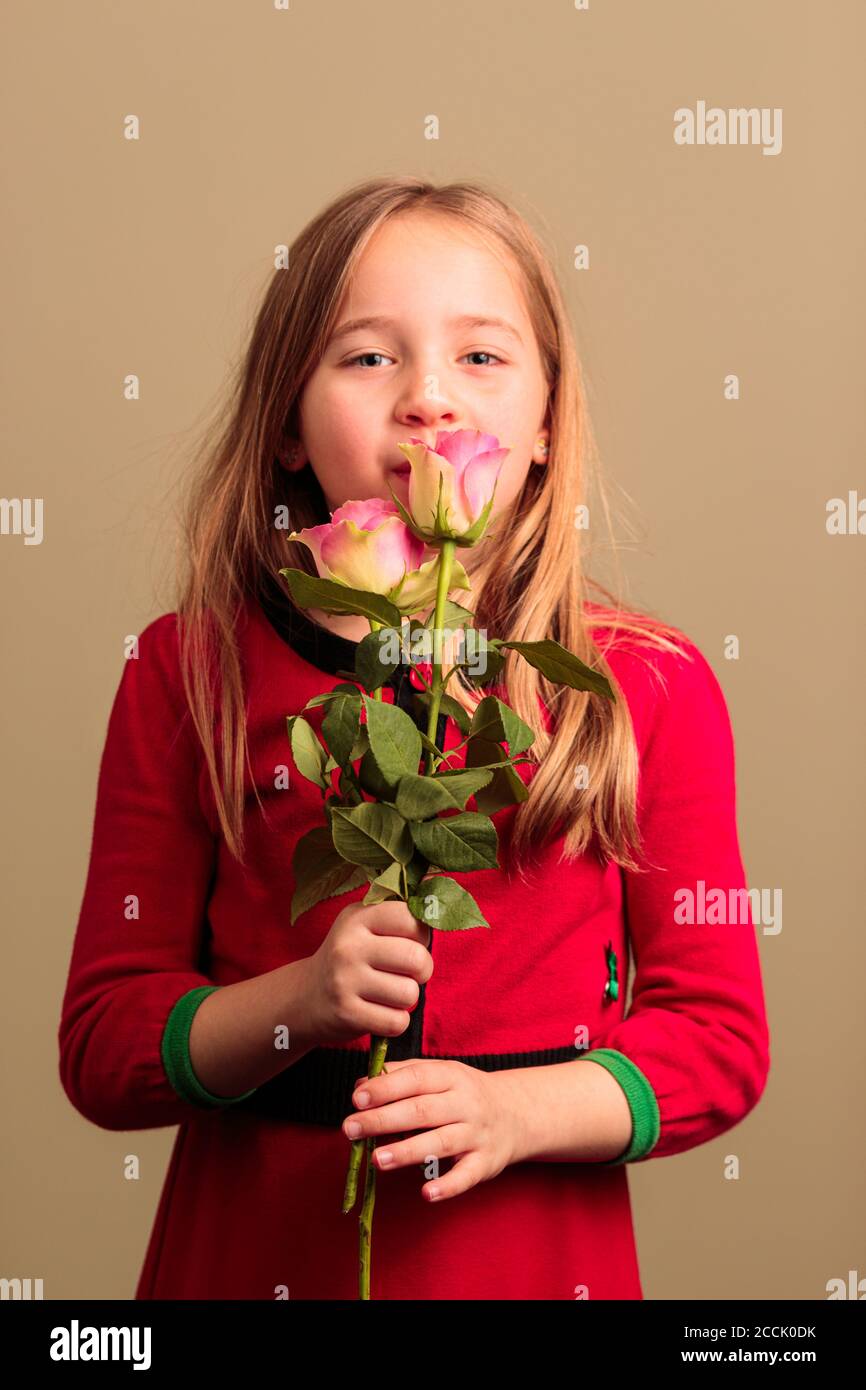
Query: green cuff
pixel 175 1052
pixel 646 1122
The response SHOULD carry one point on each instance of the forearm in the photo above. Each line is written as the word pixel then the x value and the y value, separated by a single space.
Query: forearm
pixel 572 1111
pixel 244 1034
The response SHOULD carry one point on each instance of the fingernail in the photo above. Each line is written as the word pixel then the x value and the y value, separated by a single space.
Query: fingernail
pixel 353 1129
pixel 362 1099
pixel 385 1157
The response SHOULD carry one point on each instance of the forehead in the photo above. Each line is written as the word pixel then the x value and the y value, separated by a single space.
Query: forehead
pixel 425 260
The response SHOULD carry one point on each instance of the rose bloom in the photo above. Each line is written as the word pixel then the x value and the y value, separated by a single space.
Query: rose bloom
pixel 452 484
pixel 366 545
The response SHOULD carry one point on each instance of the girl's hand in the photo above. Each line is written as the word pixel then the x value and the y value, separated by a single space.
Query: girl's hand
pixel 464 1113
pixel 367 974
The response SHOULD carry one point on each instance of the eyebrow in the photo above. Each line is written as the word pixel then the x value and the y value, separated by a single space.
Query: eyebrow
pixel 462 321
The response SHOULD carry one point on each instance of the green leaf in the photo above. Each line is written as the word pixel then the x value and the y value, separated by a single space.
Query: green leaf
pixel 342 689
pixel 340 726
pixel 371 834
pixel 388 885
pixel 558 664
pixel 463 782
pixel 429 744
pixel 417 867
pixel 463 842
pixel 395 741
pixel 506 787
pixel 447 705
pixel 371 779
pixel 502 762
pixel 362 743
pixel 443 904
pixel 371 662
pixel 319 871
pixel 307 751
pixel 349 793
pixel 484 665
pixel 337 799
pixel 495 721
pixel 420 798
pixel 311 592
pixel 454 615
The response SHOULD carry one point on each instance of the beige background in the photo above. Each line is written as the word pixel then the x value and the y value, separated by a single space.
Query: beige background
pixel 149 257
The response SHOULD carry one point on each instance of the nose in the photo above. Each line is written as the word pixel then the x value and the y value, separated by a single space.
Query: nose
pixel 427 402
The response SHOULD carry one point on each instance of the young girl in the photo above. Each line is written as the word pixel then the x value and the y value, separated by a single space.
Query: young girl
pixel 518 1087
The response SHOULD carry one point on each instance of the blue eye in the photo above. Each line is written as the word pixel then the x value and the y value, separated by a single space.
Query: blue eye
pixel 482 353
pixel 352 360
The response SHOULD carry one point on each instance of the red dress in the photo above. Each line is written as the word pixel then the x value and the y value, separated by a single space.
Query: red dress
pixel 251 1202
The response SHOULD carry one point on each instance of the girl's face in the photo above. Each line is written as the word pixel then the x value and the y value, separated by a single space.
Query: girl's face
pixel 432 360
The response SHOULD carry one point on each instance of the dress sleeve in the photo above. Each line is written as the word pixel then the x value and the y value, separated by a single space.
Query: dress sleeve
pixel 136 959
pixel 693 1052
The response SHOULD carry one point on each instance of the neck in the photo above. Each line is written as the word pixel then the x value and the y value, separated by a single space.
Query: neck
pixel 350 625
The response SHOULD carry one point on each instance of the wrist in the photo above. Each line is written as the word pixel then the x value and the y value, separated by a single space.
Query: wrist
pixel 566 1112
pixel 515 1100
pixel 297 1007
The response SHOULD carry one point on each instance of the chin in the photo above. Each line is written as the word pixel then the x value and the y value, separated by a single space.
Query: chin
pixel 399 486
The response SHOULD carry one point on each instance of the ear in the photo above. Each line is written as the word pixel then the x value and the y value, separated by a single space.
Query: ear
pixel 290 454
pixel 541 450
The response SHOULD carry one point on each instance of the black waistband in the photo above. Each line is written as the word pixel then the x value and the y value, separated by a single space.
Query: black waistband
pixel 318 1088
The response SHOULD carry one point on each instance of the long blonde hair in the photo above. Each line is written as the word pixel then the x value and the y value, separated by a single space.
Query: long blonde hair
pixel 529 582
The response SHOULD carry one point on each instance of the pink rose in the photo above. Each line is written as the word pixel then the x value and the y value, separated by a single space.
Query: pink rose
pixel 367 546
pixel 451 486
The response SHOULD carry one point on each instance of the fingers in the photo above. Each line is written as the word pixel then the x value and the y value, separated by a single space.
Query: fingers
pixel 384 1022
pixel 418 1094
pixel 408 1076
pixel 400 958
pixel 401 1117
pixel 393 918
pixel 467 1172
pixel 411 1097
pixel 424 1150
pixel 383 987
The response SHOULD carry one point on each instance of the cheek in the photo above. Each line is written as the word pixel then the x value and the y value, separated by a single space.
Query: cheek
pixel 344 422
pixel 511 479
pixel 327 421
pixel 346 459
